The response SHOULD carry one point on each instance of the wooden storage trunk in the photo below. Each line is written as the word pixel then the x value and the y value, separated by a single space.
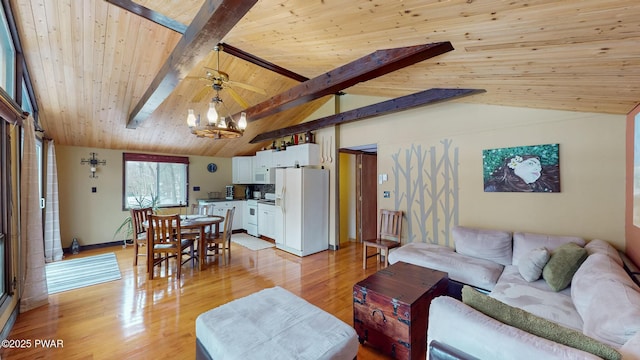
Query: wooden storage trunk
pixel 391 308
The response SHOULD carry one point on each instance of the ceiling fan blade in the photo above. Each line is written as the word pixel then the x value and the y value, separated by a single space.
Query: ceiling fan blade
pixel 247 87
pixel 237 97
pixel 201 94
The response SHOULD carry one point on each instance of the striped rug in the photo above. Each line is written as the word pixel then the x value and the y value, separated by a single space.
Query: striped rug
pixel 76 273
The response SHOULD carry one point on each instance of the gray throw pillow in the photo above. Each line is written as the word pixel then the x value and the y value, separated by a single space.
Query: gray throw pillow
pixel 530 266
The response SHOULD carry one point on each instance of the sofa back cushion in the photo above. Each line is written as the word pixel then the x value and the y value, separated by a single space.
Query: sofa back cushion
pixel 493 245
pixel 523 243
pixel 597 246
pixel 607 300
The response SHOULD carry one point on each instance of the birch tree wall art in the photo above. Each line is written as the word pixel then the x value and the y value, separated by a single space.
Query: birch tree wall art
pixel 426 181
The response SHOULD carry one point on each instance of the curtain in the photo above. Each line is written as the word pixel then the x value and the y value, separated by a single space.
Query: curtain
pixel 34 279
pixel 52 243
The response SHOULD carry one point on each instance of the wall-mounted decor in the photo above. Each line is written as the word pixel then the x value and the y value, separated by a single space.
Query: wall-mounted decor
pixel 522 169
pixel 93 162
pixel 426 185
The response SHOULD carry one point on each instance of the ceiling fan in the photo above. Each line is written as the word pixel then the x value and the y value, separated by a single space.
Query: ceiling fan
pixel 219 80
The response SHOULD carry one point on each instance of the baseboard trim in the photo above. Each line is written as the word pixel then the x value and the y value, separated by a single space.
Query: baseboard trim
pixel 96 246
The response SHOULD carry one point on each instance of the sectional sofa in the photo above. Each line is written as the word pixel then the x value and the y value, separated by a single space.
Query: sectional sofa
pixel 530 296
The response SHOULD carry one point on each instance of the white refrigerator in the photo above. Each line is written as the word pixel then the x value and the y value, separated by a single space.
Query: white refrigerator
pixel 302 210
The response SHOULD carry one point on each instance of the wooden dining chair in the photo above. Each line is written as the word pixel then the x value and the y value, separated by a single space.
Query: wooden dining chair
pixel 138 217
pixel 167 242
pixel 220 244
pixel 388 238
pixel 192 234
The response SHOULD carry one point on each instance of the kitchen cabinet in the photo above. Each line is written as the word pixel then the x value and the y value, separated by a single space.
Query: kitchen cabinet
pixel 220 209
pixel 304 154
pixel 266 220
pixel 283 158
pixel 263 159
pixel 262 163
pixel 242 169
pixel 297 155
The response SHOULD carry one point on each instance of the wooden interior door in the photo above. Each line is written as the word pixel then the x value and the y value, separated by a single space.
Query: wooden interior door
pixel 366 201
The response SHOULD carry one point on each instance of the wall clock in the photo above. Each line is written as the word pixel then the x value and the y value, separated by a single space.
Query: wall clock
pixel 212 167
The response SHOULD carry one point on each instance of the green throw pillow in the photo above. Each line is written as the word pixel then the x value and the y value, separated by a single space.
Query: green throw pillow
pixel 564 262
pixel 535 325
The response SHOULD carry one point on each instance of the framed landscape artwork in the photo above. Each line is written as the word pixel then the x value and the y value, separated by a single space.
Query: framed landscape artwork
pixel 522 169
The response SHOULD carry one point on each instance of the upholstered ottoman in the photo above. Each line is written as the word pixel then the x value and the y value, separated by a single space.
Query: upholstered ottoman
pixel 273 324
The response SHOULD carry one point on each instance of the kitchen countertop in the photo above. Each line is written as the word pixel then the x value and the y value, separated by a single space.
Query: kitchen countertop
pixel 219 200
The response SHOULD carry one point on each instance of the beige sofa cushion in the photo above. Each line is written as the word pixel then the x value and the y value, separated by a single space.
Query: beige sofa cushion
pixel 459 325
pixel 537 298
pixel 476 272
pixel 536 325
pixel 597 246
pixel 525 242
pixel 493 245
pixel 607 299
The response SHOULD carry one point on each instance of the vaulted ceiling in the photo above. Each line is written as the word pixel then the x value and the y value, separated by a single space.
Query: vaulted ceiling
pixel 91 62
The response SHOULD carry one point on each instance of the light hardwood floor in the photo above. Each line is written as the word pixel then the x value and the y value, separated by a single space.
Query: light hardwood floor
pixel 137 318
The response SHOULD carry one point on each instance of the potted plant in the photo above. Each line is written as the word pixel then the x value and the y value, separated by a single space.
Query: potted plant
pixel 126 227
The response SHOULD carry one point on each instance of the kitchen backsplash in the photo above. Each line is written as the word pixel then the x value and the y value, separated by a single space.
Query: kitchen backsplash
pixel 239 190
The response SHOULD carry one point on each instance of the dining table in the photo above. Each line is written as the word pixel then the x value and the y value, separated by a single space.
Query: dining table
pixel 189 223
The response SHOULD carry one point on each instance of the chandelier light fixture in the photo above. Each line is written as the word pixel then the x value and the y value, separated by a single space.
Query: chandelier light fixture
pixel 217 127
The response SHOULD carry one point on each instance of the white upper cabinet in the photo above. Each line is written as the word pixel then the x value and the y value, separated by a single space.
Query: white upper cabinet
pixel 242 169
pixel 263 159
pixel 301 155
pixel 305 154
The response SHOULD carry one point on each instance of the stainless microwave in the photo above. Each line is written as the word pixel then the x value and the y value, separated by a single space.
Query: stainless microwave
pixel 264 176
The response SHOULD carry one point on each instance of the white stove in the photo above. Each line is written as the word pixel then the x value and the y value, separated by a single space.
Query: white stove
pixel 252 222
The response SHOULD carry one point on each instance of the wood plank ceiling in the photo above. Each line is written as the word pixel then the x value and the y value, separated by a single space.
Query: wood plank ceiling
pixel 91 61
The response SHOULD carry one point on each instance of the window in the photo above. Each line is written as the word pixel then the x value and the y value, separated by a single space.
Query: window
pixel 26 99
pixel 7 57
pixel 154 180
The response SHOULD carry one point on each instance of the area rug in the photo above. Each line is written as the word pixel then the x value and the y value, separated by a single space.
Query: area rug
pixel 250 242
pixel 77 273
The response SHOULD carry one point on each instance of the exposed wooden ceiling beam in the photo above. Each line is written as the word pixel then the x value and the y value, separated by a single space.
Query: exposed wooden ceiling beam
pixel 214 20
pixel 427 97
pixel 376 64
pixel 150 15
pixel 262 63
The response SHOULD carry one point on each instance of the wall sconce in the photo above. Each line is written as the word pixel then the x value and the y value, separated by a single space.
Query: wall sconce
pixel 93 163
